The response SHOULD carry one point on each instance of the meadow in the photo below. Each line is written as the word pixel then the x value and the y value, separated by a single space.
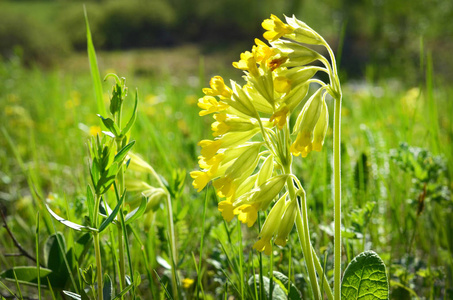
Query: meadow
pixel 397 165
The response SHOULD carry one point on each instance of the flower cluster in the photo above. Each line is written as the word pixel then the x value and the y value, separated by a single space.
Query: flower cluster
pixel 249 159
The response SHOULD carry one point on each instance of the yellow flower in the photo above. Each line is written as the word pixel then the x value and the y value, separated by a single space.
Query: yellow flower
pixel 320 130
pixel 218 88
pixel 247 63
pixel 210 105
pixel 225 186
pixel 306 123
pixel 226 208
pixel 209 148
pixel 187 282
pixel 275 28
pixel 262 51
pixel 201 179
pixel 226 123
pixel 248 213
pixel 279 117
pixel 95 130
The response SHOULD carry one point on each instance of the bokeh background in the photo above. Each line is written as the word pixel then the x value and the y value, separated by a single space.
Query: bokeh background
pixel 383 38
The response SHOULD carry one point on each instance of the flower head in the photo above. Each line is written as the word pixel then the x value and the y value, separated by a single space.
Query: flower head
pixel 275 28
pixel 218 88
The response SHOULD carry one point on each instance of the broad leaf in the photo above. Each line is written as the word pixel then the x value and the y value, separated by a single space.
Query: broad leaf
pixel 365 278
pixel 277 292
pixel 284 282
pixel 26 275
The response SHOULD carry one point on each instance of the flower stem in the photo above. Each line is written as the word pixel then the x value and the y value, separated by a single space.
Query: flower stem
pixel 303 232
pixel 337 197
pixel 173 256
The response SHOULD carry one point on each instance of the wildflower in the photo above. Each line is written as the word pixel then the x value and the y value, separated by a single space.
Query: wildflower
pixel 226 123
pixel 275 28
pixel 305 124
pixel 262 52
pixel 210 105
pixel 218 88
pixel 201 179
pixel 187 282
pixel 94 130
pixel 247 63
pixel 279 117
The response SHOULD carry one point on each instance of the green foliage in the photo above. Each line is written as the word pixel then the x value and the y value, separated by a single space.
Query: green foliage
pixel 31 40
pixel 365 278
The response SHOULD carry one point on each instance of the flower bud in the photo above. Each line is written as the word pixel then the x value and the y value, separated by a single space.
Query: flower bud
pixel 286 224
pixel 270 226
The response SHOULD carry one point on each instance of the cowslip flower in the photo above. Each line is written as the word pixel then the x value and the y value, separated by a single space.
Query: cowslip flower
pixel 275 28
pixel 249 159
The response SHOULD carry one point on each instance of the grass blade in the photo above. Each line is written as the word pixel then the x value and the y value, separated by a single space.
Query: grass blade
pixel 94 69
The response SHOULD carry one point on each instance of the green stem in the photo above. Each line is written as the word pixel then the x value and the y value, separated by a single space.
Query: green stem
pixel 97 249
pixel 308 255
pixel 173 256
pixel 121 237
pixel 303 232
pixel 337 197
pixel 97 252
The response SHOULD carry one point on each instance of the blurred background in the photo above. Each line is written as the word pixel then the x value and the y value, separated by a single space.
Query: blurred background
pixel 393 35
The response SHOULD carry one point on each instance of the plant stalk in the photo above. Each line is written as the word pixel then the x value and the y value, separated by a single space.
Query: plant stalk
pixel 337 197
pixel 97 248
pixel 304 235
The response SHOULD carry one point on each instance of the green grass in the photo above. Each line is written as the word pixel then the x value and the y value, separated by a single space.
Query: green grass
pixel 48 114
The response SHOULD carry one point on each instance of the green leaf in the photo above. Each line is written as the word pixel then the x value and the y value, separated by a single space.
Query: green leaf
pixel 94 68
pixel 26 275
pixel 69 223
pixel 107 290
pixel 136 213
pixel 72 295
pixel 112 215
pixel 285 283
pixel 131 121
pixel 110 124
pixel 123 152
pixel 277 292
pixel 365 278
